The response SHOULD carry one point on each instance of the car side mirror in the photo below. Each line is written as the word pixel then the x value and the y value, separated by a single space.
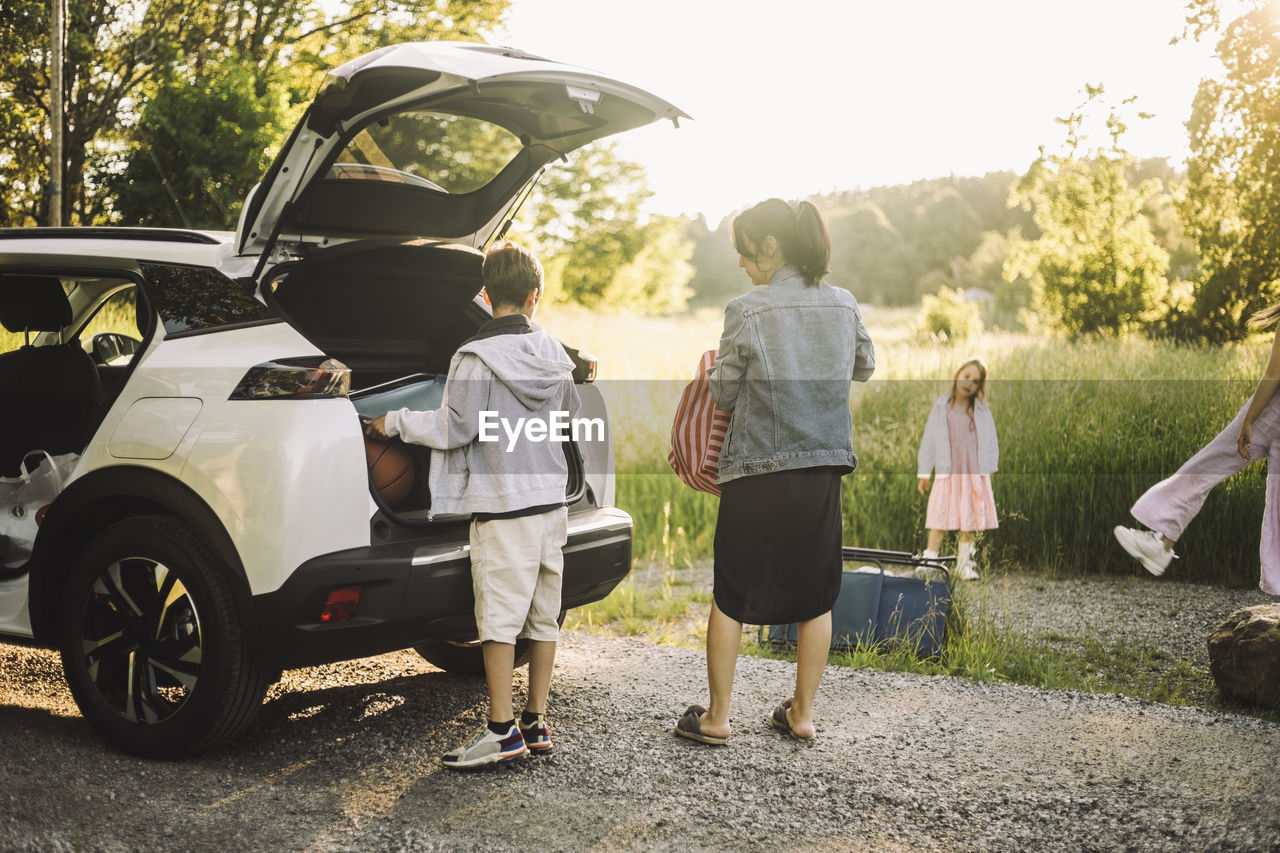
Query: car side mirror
pixel 111 347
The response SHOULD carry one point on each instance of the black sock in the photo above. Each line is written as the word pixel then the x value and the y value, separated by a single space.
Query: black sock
pixel 501 728
pixel 528 718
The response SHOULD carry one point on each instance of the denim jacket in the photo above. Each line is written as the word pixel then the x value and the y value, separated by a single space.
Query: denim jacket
pixel 787 355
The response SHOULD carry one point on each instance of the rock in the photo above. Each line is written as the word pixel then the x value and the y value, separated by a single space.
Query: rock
pixel 1244 655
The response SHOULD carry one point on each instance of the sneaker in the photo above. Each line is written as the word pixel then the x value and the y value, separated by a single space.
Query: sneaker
pixel 537 736
pixel 966 572
pixel 1147 547
pixel 485 747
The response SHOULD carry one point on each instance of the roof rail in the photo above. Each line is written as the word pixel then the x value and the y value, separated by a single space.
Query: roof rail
pixel 110 232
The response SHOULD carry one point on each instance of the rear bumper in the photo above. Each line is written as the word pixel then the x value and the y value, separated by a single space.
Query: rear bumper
pixel 419 591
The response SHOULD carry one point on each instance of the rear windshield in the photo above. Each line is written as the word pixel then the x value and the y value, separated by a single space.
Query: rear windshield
pixel 190 299
pixel 447 153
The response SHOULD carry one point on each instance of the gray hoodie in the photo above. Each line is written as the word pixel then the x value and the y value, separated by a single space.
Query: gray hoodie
pixel 501 425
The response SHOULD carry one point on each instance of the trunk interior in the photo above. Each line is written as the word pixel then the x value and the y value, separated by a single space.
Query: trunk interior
pixel 387 310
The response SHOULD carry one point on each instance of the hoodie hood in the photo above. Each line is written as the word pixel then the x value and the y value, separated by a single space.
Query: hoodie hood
pixel 534 365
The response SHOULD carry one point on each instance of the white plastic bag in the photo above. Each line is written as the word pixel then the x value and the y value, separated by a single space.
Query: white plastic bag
pixel 23 499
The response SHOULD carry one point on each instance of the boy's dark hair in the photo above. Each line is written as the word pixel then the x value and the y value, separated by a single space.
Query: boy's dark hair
pixel 510 274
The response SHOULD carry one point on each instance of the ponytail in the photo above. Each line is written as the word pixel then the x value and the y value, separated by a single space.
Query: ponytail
pixel 812 249
pixel 801 232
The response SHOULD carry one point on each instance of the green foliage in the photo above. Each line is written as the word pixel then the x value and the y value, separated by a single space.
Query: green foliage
pixel 120 54
pixel 599 249
pixel 1084 428
pixel 1096 266
pixel 113 51
pixel 889 244
pixel 985 269
pixel 947 316
pixel 717 278
pixel 1231 207
pixel 946 230
pixel 870 257
pixel 1076 451
pixel 200 145
pixel 656 280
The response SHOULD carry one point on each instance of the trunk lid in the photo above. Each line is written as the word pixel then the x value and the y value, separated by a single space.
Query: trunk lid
pixel 431 139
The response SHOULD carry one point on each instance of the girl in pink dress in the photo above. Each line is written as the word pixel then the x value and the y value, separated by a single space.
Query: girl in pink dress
pixel 960 447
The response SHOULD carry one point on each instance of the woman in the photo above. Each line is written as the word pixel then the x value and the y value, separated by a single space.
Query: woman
pixel 787 354
pixel 1169 506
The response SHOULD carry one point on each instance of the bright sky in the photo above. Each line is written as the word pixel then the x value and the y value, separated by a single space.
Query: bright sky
pixel 792 97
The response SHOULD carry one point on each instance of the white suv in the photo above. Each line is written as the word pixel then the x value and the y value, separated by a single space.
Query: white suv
pixel 220 525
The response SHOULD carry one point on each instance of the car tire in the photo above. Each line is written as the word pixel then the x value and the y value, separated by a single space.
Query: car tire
pixel 464 658
pixel 153 645
pixel 467 658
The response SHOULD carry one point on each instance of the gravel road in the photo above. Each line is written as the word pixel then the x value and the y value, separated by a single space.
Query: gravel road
pixel 345 757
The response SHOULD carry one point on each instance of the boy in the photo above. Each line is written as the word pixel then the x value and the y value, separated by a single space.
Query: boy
pixel 512 483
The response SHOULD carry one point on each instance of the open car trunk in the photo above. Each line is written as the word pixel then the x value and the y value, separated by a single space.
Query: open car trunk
pixel 384 309
pixel 395 313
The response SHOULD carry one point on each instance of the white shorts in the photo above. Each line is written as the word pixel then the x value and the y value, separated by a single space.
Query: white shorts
pixel 517 565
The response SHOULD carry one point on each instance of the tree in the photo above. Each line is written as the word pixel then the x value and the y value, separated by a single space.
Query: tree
pixel 113 49
pixel 120 52
pixel 1231 208
pixel 870 257
pixel 717 278
pixel 199 146
pixel 944 228
pixel 585 220
pixel 1096 265
pixel 986 270
pixel 656 281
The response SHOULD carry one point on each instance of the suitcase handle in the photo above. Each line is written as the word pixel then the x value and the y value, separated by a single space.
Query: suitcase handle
pixel 897 558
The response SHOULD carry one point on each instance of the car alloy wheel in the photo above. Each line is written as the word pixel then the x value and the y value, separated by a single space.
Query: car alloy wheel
pixel 141 640
pixel 153 640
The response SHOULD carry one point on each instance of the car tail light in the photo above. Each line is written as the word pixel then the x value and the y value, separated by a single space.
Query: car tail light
pixel 296 378
pixel 340 605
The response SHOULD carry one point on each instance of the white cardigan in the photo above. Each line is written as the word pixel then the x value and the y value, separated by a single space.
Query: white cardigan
pixel 935 446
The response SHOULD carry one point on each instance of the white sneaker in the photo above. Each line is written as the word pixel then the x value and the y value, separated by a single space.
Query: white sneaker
pixel 1147 547
pixel 965 572
pixel 485 747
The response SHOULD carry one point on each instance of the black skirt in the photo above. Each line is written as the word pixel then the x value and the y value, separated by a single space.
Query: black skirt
pixel 777 546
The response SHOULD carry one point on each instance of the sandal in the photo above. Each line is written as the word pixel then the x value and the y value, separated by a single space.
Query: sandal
pixel 779 721
pixel 689 725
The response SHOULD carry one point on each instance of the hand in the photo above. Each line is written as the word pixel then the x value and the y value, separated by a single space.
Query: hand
pixel 376 428
pixel 922 485
pixel 1245 439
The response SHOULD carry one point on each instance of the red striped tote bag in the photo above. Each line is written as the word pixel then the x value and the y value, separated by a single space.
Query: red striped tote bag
pixel 698 431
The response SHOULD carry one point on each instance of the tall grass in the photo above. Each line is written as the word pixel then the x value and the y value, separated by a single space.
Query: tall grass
pixel 1084 429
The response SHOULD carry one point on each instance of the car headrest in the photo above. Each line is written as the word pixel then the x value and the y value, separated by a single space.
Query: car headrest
pixel 33 303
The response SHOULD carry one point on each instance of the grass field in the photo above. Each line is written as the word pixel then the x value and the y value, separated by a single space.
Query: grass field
pixel 1084 429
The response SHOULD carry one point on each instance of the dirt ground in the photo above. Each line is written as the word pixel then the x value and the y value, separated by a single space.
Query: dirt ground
pixel 346 757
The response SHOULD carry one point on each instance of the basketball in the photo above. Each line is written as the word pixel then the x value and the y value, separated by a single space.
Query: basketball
pixel 390 469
